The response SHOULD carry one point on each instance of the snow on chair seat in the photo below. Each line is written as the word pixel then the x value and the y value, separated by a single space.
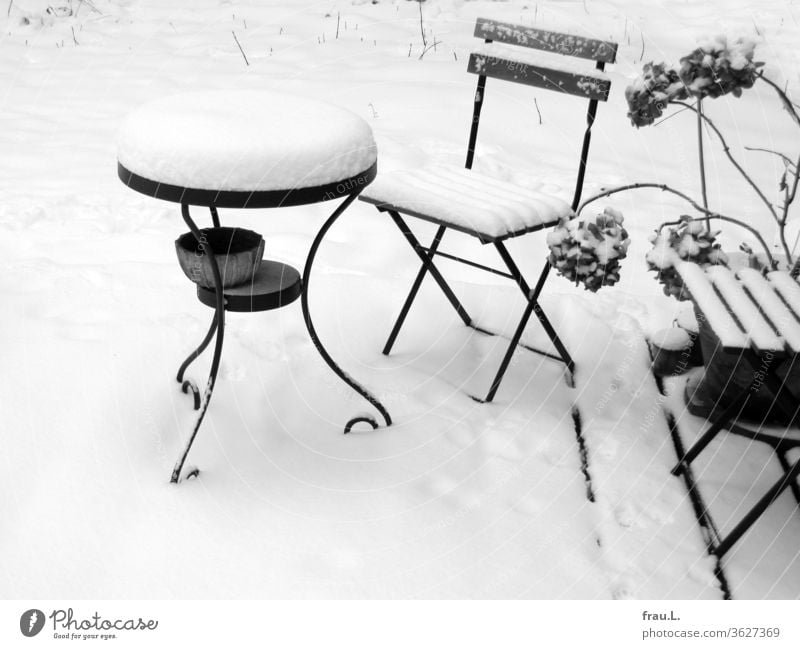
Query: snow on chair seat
pixel 465 200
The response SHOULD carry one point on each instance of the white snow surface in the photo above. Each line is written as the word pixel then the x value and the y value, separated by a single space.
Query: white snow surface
pixel 245 140
pixel 456 499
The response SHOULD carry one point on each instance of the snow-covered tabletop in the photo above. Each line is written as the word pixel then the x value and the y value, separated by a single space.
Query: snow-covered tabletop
pixel 223 142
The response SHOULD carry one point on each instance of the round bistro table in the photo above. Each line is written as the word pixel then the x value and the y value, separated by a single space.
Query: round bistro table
pixel 248 150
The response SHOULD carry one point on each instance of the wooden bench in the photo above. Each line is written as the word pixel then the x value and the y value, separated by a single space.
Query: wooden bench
pixel 755 320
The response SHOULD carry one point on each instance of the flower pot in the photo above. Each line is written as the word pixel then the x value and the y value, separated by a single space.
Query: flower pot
pixel 688 323
pixel 238 253
pixel 727 374
pixel 671 349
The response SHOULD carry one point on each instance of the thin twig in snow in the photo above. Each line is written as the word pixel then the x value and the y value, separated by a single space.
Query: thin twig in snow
pixel 244 56
pixel 92 7
pixel 431 46
pixel 73 36
pixel 421 27
pixel 338 18
pixel 8 13
pixel 536 103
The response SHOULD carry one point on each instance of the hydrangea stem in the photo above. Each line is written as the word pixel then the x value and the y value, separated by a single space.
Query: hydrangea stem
pixel 703 189
pixel 733 161
pixel 708 213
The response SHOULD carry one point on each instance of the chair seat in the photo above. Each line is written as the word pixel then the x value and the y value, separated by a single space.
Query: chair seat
pixel 465 200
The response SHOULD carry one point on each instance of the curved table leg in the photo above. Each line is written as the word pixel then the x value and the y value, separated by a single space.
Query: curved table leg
pixel 190 385
pixel 219 325
pixel 361 418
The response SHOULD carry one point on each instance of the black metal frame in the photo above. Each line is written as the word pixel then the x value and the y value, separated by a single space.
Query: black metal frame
pixel 239 199
pixel 347 188
pixel 727 420
pixel 427 254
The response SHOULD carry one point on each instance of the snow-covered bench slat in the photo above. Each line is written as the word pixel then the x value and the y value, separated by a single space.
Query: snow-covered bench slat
pixel 767 295
pixel 530 68
pixel 745 310
pixel 713 309
pixel 761 332
pixel 465 200
pixel 567 44
pixel 788 289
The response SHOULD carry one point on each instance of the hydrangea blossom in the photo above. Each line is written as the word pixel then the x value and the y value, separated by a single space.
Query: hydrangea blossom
pixel 688 241
pixel 716 67
pixel 649 95
pixel 589 253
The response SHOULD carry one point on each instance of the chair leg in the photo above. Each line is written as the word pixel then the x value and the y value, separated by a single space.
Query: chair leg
pixel 512 347
pixel 727 415
pixel 532 296
pixel 760 507
pixel 412 294
pixel 426 257
pixel 551 333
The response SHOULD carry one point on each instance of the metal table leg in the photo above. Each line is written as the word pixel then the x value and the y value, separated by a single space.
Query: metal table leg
pixel 187 385
pixel 218 324
pixel 313 334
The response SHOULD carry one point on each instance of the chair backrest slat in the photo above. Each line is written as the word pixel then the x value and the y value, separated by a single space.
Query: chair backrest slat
pixel 587 85
pixel 547 41
pixel 500 59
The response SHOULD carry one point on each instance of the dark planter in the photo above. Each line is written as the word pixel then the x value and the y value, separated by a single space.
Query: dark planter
pixel 671 350
pixel 238 253
pixel 728 374
pixel 687 322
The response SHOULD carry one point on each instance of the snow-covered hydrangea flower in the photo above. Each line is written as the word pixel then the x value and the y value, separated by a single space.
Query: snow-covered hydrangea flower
pixel 688 241
pixel 649 95
pixel 718 67
pixel 588 252
pixel 715 68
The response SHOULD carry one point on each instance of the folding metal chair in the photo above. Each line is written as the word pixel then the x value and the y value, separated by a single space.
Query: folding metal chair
pixel 489 209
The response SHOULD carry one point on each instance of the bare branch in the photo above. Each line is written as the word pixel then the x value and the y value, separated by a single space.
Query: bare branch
pixel 785 157
pixel 787 103
pixel 709 214
pixel 733 161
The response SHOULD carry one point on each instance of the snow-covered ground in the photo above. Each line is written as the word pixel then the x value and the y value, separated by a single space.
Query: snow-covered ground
pixel 457 499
